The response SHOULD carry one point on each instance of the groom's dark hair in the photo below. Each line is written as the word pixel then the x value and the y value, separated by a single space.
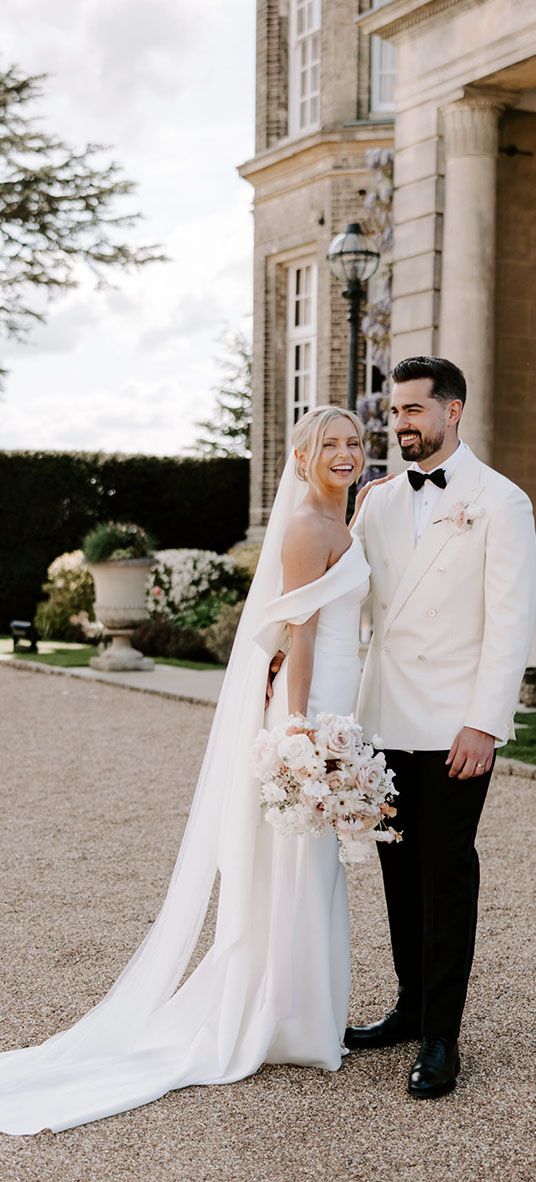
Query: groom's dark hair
pixel 448 381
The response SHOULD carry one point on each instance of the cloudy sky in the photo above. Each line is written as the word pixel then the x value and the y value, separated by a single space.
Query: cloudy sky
pixel 169 84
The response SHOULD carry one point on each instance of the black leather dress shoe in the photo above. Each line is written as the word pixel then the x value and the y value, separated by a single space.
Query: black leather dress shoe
pixel 435 1069
pixel 395 1027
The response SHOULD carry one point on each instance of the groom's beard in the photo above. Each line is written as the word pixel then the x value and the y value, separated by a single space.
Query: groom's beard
pixel 422 448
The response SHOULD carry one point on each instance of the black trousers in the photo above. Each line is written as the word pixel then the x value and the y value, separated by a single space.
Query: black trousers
pixel 431 881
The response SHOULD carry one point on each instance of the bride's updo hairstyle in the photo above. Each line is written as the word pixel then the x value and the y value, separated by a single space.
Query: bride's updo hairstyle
pixel 308 437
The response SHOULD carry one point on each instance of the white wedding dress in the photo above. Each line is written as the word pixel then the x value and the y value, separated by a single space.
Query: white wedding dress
pixel 274 985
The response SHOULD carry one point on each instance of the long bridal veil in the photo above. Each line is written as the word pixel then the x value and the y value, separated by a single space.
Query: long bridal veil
pixel 126 1050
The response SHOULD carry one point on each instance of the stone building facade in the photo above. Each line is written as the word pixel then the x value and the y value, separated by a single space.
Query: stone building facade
pixel 460 77
pixel 324 98
pixel 465 208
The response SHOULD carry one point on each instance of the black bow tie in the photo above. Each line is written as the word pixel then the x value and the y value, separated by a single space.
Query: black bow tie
pixel 417 479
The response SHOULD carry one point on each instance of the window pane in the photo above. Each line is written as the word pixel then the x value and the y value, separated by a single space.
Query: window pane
pixel 304 51
pixel 301 341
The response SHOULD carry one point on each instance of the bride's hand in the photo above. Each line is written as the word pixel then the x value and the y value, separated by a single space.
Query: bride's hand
pixel 363 492
pixel 306 729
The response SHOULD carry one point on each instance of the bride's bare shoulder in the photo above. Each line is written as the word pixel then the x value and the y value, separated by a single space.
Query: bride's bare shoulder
pixel 306 548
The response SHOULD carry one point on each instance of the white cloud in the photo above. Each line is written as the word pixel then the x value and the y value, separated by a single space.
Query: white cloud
pixel 170 85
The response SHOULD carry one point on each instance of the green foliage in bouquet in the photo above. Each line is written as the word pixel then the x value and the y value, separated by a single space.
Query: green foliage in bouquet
pixel 116 540
pixel 70 593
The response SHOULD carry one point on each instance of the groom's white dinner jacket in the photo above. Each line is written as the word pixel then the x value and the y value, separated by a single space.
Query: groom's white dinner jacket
pixel 453 616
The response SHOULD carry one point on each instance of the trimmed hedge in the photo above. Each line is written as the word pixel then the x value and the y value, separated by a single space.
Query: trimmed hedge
pixel 49 501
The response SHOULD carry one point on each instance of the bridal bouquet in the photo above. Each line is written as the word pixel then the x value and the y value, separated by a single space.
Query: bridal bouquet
pixel 323 776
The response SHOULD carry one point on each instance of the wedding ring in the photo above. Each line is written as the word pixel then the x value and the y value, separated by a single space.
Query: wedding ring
pixel 480 765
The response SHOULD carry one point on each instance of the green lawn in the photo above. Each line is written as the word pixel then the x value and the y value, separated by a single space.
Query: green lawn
pixel 69 656
pixel 525 746
pixel 65 657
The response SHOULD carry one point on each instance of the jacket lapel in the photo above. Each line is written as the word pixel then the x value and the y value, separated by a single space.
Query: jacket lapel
pixel 465 485
pixel 397 510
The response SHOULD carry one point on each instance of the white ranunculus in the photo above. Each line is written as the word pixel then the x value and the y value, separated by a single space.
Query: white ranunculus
pixel 273 793
pixel 317 789
pixel 265 755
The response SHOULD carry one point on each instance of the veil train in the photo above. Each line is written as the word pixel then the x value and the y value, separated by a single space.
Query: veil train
pixel 125 1051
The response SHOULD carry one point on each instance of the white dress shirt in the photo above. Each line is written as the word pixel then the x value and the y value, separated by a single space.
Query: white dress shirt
pixel 425 499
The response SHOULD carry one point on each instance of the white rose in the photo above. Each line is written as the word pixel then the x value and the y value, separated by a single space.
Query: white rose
pixel 297 752
pixel 337 739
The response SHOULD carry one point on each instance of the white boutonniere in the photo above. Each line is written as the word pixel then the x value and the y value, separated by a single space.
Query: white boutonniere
pixel 462 515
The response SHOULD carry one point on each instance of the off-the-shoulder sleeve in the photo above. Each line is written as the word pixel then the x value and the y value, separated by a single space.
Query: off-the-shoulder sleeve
pixel 350 573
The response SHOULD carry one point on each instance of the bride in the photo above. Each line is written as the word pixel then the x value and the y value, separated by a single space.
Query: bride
pixel 274 986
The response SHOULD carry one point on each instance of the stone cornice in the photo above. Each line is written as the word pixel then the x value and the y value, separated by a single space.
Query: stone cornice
pixel 294 154
pixel 398 15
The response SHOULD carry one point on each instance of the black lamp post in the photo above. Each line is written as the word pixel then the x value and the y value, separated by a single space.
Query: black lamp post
pixel 353 260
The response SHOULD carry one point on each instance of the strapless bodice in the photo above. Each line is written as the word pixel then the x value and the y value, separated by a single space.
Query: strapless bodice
pixel 338 624
pixel 337 596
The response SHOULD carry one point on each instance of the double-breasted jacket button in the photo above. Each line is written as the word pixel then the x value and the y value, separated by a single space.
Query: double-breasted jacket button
pixel 442 570
pixel 431 611
pixel 385 652
pixel 384 606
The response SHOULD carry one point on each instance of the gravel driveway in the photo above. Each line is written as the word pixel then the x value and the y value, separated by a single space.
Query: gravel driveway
pixel 95 787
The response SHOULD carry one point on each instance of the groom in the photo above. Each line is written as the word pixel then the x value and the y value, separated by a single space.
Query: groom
pixel 452 550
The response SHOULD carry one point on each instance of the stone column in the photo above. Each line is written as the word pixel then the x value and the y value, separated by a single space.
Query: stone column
pixel 467 316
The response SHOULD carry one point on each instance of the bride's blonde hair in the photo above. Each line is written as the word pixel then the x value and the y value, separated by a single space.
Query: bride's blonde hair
pixel 308 436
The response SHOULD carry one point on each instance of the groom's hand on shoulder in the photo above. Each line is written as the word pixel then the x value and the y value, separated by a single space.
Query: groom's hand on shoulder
pixel 471 754
pixel 364 492
pixel 275 665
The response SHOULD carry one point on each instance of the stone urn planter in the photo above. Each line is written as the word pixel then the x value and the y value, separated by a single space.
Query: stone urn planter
pixel 120 606
pixel 118 556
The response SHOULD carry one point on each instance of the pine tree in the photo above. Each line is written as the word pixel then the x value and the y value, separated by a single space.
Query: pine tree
pixel 227 433
pixel 57 210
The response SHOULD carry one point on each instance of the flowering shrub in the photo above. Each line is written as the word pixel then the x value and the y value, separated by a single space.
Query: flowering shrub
pixel 246 555
pixel 219 637
pixel 70 593
pixel 194 598
pixel 379 203
pixel 160 638
pixel 189 587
